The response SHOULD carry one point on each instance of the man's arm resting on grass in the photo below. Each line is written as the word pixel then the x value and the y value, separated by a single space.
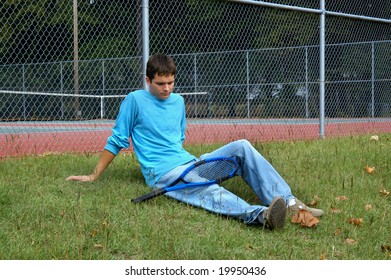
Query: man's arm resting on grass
pixel 104 161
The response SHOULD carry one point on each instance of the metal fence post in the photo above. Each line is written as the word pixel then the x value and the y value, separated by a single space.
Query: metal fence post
pixel 76 104
pixel 62 89
pixel 248 84
pixel 373 80
pixel 102 102
pixel 322 70
pixel 195 86
pixel 24 89
pixel 145 34
pixel 307 114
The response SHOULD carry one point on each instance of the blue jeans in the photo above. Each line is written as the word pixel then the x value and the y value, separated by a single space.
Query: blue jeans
pixel 256 171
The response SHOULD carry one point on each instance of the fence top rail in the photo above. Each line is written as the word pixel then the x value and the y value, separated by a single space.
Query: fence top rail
pixel 57 94
pixel 81 95
pixel 310 10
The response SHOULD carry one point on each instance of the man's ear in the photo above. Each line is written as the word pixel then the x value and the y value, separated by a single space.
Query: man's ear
pixel 148 80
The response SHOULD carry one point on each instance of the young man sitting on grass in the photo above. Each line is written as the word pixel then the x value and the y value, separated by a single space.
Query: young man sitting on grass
pixel 155 121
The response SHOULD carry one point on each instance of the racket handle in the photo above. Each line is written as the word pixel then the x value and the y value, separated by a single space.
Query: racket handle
pixel 150 195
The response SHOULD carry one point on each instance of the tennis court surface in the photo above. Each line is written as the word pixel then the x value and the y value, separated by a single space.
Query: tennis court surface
pixel 34 138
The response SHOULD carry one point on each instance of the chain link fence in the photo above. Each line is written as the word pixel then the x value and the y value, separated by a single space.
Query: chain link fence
pixel 247 69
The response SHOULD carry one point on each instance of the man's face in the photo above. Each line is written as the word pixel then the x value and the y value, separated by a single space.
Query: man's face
pixel 161 86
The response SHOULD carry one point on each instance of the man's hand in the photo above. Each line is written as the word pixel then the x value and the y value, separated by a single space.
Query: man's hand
pixel 82 178
pixel 104 161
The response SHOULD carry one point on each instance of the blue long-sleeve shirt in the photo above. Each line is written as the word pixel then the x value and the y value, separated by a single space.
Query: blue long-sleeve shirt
pixel 157 129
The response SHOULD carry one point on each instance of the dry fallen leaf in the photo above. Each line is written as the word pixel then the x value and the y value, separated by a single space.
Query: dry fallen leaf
pixel 356 221
pixel 98 246
pixel 350 241
pixel 369 169
pixel 323 257
pixel 374 138
pixel 342 198
pixel 105 224
pixel 337 232
pixel 305 219
pixel 94 232
pixel 386 248
pixel 368 207
pixel 384 192
pixel 335 210
pixel 315 201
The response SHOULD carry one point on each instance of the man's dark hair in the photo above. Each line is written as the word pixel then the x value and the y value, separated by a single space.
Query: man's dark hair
pixel 161 64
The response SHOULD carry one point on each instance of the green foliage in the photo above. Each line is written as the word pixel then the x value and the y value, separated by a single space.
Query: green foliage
pixel 42 216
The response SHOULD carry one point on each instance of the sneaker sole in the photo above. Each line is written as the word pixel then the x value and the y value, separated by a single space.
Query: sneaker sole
pixel 276 214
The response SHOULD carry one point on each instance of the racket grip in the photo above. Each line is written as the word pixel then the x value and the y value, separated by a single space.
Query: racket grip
pixel 150 195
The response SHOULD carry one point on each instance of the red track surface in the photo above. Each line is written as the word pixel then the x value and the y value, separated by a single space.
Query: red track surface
pixel 35 143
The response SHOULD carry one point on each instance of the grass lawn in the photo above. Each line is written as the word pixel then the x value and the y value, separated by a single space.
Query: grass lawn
pixel 44 217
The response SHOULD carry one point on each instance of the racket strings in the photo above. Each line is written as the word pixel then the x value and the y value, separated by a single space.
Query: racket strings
pixel 211 170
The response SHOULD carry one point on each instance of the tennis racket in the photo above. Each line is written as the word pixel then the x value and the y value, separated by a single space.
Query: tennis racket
pixel 202 173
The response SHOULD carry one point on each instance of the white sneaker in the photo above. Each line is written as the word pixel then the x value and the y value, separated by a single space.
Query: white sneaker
pixel 299 205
